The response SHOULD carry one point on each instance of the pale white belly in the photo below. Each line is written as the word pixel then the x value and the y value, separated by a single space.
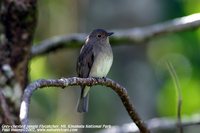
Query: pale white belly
pixel 101 65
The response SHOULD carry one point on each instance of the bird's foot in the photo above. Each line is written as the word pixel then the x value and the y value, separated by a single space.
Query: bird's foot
pixel 104 78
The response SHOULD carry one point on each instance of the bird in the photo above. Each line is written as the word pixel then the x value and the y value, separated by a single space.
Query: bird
pixel 95 60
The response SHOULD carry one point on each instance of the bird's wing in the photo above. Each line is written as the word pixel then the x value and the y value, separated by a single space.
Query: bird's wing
pixel 85 60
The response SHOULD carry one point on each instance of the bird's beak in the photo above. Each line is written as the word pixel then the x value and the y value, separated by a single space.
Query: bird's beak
pixel 110 33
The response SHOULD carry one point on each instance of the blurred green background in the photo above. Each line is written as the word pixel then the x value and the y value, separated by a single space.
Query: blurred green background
pixel 139 68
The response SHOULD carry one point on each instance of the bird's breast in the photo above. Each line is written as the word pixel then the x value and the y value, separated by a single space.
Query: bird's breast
pixel 102 64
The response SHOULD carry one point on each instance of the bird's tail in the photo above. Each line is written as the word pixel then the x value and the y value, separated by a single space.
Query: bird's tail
pixel 83 101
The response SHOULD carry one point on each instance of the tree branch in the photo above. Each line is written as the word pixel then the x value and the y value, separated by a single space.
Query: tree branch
pixel 134 35
pixel 5 109
pixel 153 124
pixel 64 82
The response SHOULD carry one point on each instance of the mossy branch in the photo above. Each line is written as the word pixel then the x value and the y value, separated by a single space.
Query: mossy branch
pixel 65 82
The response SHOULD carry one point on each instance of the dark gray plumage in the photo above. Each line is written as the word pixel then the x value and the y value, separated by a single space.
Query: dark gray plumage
pixel 95 60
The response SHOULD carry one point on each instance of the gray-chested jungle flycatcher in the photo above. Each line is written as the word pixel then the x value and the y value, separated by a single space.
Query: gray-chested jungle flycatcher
pixel 95 60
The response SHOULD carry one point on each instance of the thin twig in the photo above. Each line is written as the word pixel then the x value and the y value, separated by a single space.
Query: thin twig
pixel 131 36
pixel 178 92
pixel 64 82
pixel 163 123
pixel 5 109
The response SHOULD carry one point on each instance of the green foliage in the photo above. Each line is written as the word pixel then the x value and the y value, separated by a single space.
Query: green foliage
pixel 191 6
pixel 185 44
pixel 167 98
pixel 38 68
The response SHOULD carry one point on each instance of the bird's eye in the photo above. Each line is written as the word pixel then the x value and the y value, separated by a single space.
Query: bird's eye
pixel 98 35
